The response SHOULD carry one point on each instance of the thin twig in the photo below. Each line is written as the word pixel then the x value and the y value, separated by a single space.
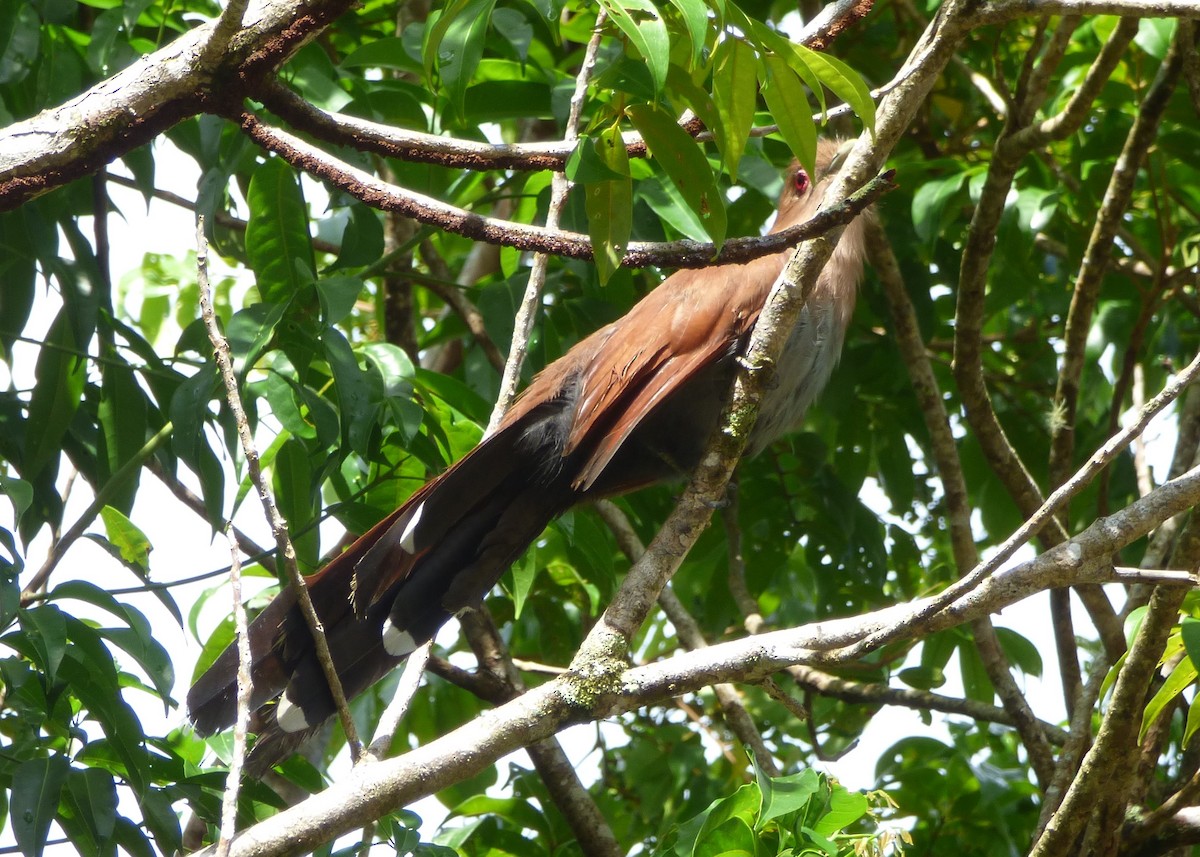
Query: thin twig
pixel 1100 459
pixel 241 724
pixel 283 542
pixel 639 254
pixel 114 484
pixel 560 187
pixel 410 682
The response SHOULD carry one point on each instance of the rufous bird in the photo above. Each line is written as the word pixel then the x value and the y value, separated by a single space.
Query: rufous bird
pixel 631 405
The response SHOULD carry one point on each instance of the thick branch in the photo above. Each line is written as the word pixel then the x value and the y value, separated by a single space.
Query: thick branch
pixel 153 94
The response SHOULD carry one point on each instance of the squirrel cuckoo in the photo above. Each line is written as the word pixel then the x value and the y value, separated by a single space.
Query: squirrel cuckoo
pixel 630 405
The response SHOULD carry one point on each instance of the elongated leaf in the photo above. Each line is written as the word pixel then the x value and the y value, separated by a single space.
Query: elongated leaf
pixel 381 53
pixel 278 246
pixel 36 787
pixel 129 540
pixel 1189 632
pixel 1193 721
pixel 683 160
pixel 60 374
pixel 92 675
pixel 930 201
pixel 740 807
pixel 461 48
pixel 46 629
pixel 357 405
pixel 609 206
pixel 733 838
pixel 695 21
pixel 122 418
pixel 292 479
pixel 92 797
pixel 845 808
pixel 643 25
pixel 783 48
pixel 734 92
pixel 250 331
pixel 789 108
pixel 1181 677
pixel 781 795
pixel 137 637
pixel 844 81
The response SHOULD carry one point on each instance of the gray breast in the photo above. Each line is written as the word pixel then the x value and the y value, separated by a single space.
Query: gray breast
pixel 807 361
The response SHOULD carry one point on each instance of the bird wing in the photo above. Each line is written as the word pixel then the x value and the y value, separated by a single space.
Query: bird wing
pixel 689 322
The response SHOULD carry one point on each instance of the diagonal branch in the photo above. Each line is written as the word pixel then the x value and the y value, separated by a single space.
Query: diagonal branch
pixel 388 197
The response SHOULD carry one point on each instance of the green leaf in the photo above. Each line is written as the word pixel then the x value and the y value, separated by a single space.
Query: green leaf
pixel 643 25
pixel 18 491
pixel 782 795
pixel 788 103
pixel 1189 631
pixel 1181 677
pixel 733 838
pixel 60 375
pixel 137 638
pixel 356 403
pixel 250 331
pixel 845 808
pixel 132 840
pixel 683 160
pixel 741 806
pixel 1193 721
pixel 36 787
pixel 974 674
pixel 362 237
pixel 89 670
pixel 695 21
pixel 292 480
pixel 524 573
pixel 1020 651
pixel 338 296
pixel 91 795
pixel 124 534
pixel 844 81
pixel 122 417
pixel 46 629
pixel 585 165
pixel 609 206
pixel 278 246
pixel 922 677
pixel 382 52
pixel 734 92
pixel 463 28
pixel 784 49
pixel 19 41
pixel 930 201
pixel 515 30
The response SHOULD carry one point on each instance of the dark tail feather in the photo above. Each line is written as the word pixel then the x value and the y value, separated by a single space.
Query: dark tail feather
pixel 386 594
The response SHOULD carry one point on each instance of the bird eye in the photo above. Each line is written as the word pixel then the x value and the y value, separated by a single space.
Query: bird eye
pixel 800 181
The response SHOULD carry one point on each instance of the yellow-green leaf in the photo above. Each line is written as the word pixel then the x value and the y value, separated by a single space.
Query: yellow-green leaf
pixel 609 205
pixel 734 92
pixel 127 537
pixel 643 25
pixel 1180 678
pixel 789 108
pixel 683 160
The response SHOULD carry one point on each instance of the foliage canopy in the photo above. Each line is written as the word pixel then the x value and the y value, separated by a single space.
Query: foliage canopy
pixel 1033 286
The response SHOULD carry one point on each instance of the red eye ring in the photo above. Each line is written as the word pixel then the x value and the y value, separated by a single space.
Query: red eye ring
pixel 800 181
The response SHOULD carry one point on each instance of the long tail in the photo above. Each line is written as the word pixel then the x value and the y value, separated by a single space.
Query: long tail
pixel 388 593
